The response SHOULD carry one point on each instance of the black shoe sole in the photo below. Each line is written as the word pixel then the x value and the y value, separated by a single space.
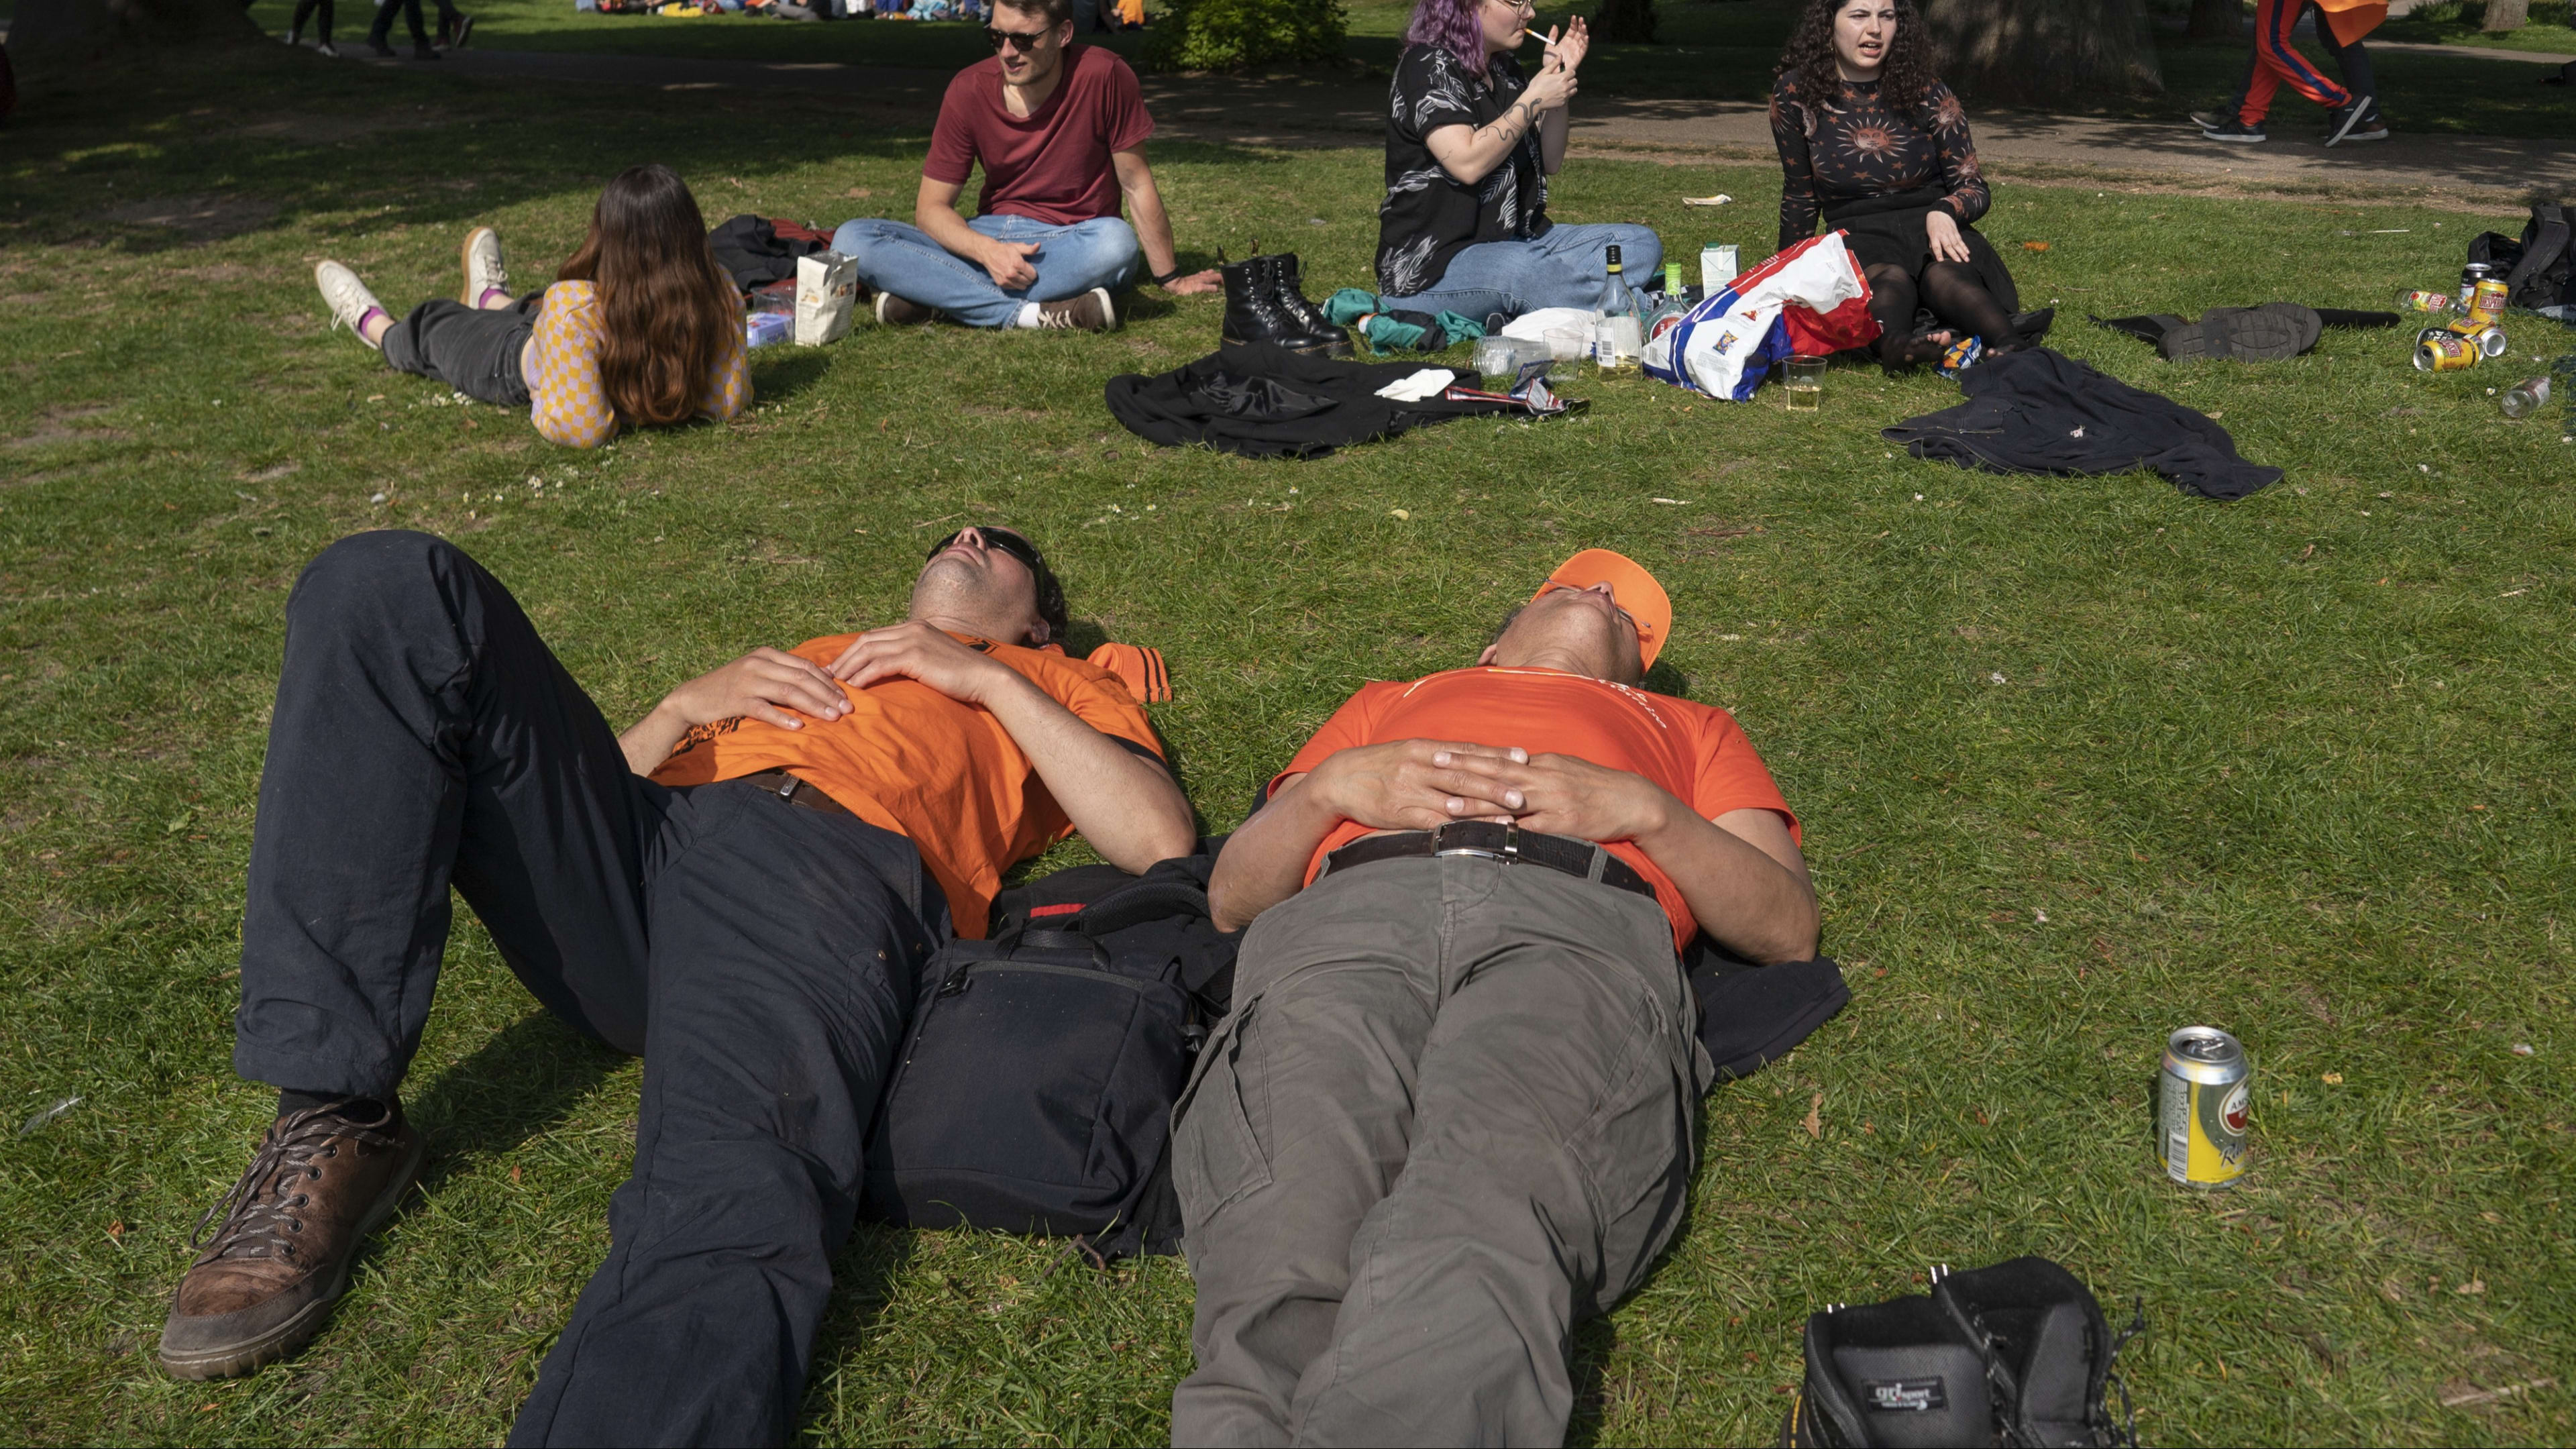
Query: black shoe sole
pixel 232 1360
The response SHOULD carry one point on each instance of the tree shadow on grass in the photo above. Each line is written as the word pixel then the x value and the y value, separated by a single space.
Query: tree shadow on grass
pixel 528 1078
pixel 778 374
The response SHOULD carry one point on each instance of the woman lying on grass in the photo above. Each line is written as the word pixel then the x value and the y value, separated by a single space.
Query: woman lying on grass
pixel 1870 138
pixel 640 328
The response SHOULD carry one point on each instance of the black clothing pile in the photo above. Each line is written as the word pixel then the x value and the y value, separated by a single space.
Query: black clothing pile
pixel 2273 332
pixel 755 250
pixel 2037 411
pixel 1265 401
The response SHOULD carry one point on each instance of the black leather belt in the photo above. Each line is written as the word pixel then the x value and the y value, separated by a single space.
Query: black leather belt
pixel 1484 838
pixel 795 791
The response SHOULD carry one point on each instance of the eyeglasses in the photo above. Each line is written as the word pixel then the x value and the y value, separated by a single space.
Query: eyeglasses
pixel 1522 7
pixel 997 538
pixel 1016 41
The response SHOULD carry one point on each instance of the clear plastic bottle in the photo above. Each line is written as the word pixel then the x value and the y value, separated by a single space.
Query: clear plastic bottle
pixel 2526 397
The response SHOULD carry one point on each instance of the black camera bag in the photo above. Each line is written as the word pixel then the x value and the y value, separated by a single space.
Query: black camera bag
pixel 2017 1354
pixel 1034 1091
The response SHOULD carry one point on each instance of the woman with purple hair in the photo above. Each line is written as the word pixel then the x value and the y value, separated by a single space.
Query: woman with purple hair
pixel 1470 144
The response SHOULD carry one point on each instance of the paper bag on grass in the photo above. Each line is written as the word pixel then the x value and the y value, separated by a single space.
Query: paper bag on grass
pixel 826 288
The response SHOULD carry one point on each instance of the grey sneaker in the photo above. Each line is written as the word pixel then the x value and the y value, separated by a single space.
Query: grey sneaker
pixel 1090 312
pixel 484 271
pixel 2342 123
pixel 346 296
pixel 292 1226
pixel 2235 131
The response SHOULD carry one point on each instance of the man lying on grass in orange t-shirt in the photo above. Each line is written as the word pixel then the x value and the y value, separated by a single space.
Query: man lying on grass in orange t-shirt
pixel 748 920
pixel 1453 1108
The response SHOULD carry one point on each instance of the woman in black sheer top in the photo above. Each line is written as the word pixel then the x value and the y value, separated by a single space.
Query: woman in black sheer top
pixel 1874 143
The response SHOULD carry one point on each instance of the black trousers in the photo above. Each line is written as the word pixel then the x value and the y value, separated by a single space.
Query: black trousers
pixel 474 350
pixel 384 25
pixel 760 955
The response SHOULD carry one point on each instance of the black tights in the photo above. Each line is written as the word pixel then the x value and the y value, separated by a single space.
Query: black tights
pixel 1954 293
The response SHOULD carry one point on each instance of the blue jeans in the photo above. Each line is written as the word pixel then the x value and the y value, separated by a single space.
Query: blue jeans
pixel 900 258
pixel 1565 268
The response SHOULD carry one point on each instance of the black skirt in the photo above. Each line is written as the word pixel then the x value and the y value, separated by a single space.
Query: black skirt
pixel 1888 231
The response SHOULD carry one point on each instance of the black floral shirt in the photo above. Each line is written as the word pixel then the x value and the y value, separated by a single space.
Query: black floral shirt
pixel 1428 216
pixel 1843 145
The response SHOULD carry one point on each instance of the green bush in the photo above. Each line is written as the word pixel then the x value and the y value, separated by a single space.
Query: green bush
pixel 1232 34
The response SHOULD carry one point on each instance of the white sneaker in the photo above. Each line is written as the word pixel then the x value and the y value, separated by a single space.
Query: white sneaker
pixel 346 296
pixel 483 269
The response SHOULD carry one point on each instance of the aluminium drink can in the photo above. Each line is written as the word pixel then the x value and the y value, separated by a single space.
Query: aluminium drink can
pixel 2486 302
pixel 2203 1099
pixel 2470 276
pixel 2440 350
pixel 2433 302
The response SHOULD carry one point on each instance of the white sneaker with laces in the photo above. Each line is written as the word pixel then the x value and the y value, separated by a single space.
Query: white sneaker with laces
pixel 346 296
pixel 484 272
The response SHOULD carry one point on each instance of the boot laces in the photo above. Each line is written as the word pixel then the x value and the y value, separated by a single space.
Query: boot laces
pixel 259 1212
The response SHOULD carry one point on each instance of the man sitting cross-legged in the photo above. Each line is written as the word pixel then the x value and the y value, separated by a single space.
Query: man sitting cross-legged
pixel 1452 1110
pixel 1060 131
pixel 754 940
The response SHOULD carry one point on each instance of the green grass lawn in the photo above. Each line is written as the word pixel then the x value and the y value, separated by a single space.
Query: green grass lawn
pixel 2080 761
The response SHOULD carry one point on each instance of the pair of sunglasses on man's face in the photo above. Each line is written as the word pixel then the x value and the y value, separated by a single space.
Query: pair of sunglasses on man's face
pixel 1016 41
pixel 997 538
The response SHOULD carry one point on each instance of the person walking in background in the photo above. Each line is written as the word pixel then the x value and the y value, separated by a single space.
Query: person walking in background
pixel 1060 131
pixel 1871 140
pixel 318 11
pixel 2352 109
pixel 641 327
pixel 1470 144
pixel 380 34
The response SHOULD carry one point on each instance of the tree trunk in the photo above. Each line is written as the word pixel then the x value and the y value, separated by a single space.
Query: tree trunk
pixel 2043 50
pixel 2506 14
pixel 56 37
pixel 2216 19
pixel 1629 22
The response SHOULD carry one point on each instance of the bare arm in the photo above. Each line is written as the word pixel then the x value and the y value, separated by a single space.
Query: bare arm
pixel 1741 874
pixel 1154 225
pixel 1126 806
pixel 935 212
pixel 1469 155
pixel 763 684
pixel 1404 785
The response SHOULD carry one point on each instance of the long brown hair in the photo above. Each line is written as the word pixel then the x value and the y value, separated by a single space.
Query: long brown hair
pixel 667 312
pixel 1902 80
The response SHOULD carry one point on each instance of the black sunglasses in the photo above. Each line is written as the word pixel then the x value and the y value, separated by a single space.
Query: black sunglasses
pixel 1001 538
pixel 1016 41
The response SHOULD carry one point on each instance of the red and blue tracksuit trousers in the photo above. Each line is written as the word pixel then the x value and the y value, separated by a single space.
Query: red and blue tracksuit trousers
pixel 2276 60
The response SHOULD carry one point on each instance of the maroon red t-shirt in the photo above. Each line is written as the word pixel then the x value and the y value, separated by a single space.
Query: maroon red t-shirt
pixel 1053 167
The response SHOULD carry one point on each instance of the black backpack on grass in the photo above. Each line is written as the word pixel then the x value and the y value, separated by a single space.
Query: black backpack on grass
pixel 2538 271
pixel 2016 1354
pixel 1034 1091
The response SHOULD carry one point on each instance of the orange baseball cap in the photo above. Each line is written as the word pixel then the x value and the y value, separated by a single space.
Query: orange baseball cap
pixel 1635 590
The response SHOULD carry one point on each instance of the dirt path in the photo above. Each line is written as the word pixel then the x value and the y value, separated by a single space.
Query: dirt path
pixel 2468 171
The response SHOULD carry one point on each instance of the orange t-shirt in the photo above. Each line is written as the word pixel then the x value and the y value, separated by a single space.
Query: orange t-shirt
pixel 945 775
pixel 1694 751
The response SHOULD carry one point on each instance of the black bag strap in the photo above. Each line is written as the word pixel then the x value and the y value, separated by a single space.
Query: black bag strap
pixel 2149 327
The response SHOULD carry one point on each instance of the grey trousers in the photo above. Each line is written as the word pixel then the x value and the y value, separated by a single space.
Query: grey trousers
pixel 1452 1113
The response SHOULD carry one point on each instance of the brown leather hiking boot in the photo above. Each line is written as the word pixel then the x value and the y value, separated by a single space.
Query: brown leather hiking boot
pixel 291 1227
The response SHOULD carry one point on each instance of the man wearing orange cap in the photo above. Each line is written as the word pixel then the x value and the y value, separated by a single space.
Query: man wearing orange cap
pixel 1453 1108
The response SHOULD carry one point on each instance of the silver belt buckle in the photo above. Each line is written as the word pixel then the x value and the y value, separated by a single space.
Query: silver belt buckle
pixel 1511 850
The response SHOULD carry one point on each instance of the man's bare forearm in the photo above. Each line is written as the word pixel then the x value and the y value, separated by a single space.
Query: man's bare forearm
pixel 1265 861
pixel 1744 899
pixel 1127 807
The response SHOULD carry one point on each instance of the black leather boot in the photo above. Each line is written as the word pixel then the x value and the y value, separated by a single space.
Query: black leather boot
pixel 1252 314
pixel 1305 316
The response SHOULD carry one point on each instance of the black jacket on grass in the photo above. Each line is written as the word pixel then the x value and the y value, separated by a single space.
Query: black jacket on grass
pixel 1268 402
pixel 2040 412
